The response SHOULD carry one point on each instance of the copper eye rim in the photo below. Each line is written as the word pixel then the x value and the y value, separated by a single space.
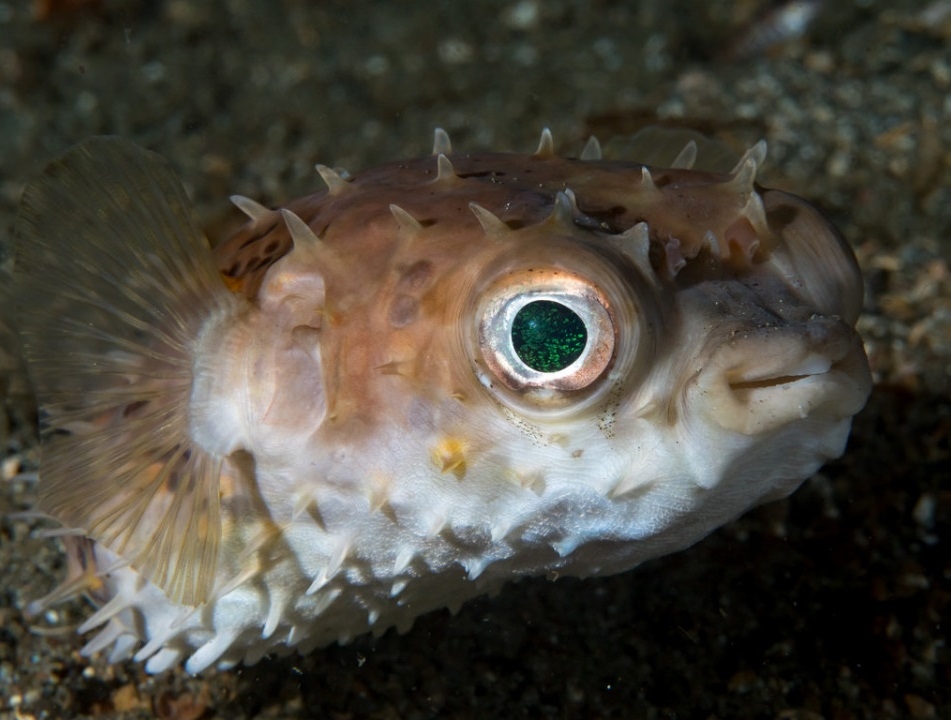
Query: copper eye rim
pixel 510 295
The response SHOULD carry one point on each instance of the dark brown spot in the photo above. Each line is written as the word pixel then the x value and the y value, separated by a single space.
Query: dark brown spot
pixel 403 311
pixel 261 235
pixel 485 173
pixel 271 247
pixel 417 275
pixel 257 264
pixel 609 219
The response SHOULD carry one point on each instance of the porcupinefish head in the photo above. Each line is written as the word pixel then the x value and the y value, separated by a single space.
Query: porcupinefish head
pixel 423 381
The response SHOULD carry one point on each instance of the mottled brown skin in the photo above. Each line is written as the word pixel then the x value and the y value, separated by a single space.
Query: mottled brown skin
pixel 375 309
pixel 498 182
pixel 405 275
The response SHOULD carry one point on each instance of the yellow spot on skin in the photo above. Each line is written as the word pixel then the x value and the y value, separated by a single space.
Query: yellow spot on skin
pixel 235 285
pixel 449 456
pixel 92 582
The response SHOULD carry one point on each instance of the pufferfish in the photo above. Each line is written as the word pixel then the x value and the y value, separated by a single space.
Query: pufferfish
pixel 423 381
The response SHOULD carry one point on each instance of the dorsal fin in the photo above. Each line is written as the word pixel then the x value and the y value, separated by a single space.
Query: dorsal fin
pixel 686 157
pixel 662 147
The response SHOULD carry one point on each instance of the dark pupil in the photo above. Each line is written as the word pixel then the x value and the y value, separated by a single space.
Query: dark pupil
pixel 548 336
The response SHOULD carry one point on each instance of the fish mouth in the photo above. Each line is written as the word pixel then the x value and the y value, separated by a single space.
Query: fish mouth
pixel 764 379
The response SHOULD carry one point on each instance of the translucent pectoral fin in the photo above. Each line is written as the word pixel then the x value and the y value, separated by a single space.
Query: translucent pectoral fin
pixel 114 282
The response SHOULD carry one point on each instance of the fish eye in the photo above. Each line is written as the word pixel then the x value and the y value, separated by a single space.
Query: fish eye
pixel 548 336
pixel 546 331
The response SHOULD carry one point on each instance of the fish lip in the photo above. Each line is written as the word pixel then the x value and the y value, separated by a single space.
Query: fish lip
pixel 764 379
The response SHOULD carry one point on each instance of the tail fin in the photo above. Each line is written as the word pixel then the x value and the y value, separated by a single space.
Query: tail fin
pixel 114 283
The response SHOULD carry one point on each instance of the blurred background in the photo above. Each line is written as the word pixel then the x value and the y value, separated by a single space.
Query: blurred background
pixel 832 604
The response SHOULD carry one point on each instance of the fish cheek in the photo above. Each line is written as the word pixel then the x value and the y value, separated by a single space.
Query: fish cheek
pixel 300 397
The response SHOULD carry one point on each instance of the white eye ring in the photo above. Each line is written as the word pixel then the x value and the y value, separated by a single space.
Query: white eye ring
pixel 579 296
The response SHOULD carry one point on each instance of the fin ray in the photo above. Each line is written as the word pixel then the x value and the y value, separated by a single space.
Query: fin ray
pixel 661 147
pixel 114 282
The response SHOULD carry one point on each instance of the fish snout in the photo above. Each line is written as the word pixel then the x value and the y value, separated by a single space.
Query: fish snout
pixel 760 380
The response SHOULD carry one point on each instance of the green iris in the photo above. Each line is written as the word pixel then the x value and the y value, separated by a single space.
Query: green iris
pixel 548 336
